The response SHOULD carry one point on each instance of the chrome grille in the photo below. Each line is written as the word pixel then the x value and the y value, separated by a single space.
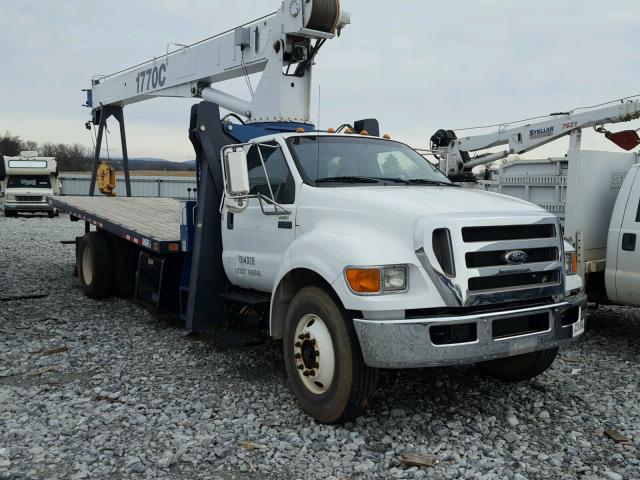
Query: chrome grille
pixel 508 232
pixel 514 281
pixel 498 257
pixel 488 254
pixel 27 198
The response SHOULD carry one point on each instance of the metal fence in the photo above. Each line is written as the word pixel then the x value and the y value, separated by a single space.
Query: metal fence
pixel 141 186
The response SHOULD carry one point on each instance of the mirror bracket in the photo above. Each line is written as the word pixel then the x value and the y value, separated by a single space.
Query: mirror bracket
pixel 237 203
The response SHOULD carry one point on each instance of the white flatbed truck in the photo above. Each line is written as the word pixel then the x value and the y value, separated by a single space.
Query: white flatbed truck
pixel 348 246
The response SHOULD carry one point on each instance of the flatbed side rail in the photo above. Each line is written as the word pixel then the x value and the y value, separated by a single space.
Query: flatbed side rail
pixel 144 241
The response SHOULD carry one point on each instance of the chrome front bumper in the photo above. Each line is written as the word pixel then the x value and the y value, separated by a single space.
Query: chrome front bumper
pixel 27 207
pixel 409 343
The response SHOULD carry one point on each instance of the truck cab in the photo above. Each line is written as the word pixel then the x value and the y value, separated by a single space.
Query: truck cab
pixel 622 274
pixel 374 259
pixel 25 183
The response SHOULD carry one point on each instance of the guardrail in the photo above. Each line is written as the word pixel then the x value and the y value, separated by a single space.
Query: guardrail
pixel 141 186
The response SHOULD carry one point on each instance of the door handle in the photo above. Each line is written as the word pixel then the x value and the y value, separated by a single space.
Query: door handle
pixel 229 221
pixel 629 242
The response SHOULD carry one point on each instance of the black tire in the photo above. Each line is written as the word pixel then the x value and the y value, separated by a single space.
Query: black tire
pixel 51 214
pixel 125 266
pixel 9 213
pixel 353 382
pixel 520 367
pixel 95 254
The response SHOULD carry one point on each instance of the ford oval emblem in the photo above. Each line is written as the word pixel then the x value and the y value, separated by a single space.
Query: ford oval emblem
pixel 516 257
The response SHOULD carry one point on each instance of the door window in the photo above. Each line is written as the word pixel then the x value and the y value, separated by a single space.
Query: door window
pixel 280 177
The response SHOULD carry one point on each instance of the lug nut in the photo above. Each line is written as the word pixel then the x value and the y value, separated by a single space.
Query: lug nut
pixel 301 336
pixel 317 353
pixel 312 373
pixel 307 335
pixel 300 367
pixel 313 341
pixel 306 373
pixel 316 365
pixel 298 344
pixel 298 355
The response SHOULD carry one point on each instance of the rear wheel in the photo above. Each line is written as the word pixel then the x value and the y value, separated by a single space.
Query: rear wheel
pixel 520 367
pixel 95 265
pixel 323 359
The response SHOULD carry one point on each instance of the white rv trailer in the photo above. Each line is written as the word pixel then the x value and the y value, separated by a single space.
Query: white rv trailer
pixel 25 183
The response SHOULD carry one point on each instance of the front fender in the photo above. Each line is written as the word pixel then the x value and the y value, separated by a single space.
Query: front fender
pixel 328 253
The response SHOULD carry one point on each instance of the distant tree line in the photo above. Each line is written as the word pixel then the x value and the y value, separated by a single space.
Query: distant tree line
pixel 76 157
pixel 70 158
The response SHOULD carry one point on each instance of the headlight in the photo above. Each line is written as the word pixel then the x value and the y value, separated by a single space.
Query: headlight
pixel 376 280
pixel 570 263
pixel 394 279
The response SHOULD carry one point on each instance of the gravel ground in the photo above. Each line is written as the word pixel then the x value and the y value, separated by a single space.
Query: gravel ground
pixel 134 397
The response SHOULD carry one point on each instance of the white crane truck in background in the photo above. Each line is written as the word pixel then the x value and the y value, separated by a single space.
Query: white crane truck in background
pixel 595 194
pixel 25 183
pixel 349 247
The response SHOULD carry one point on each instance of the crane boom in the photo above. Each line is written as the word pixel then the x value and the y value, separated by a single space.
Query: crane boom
pixel 454 152
pixel 282 45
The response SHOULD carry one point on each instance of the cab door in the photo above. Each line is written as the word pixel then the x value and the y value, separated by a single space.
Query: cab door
pixel 625 230
pixel 255 240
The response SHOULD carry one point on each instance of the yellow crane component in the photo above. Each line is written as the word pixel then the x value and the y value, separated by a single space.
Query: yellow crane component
pixel 106 179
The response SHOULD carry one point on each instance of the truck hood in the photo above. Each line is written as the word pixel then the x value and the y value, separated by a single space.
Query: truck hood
pixel 415 201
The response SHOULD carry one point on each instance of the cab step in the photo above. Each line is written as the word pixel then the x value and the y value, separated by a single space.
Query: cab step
pixel 247 297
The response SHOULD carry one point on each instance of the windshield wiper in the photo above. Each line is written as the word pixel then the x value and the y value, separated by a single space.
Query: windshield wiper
pixel 348 179
pixel 408 181
pixel 424 181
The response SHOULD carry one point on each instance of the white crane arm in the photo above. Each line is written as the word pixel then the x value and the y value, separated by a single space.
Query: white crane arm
pixel 455 151
pixel 273 44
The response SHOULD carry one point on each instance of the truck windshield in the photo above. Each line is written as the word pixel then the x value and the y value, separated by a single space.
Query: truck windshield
pixel 28 181
pixel 356 160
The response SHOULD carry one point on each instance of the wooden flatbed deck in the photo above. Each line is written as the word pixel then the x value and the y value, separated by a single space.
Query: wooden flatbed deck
pixel 152 223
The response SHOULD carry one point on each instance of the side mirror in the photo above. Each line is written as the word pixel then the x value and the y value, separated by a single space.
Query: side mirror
pixel 236 176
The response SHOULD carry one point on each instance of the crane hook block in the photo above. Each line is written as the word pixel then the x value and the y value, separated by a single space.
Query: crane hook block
pixel 106 179
pixel 626 139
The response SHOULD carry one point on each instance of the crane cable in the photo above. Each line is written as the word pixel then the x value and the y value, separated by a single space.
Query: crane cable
pixel 539 117
pixel 246 73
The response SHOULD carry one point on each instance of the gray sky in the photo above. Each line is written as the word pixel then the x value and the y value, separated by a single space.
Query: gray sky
pixel 415 65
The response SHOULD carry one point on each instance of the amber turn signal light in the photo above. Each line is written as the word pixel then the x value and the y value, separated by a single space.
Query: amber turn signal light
pixel 364 280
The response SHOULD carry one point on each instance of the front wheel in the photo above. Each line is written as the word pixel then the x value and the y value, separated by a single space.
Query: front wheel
pixel 520 367
pixel 323 358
